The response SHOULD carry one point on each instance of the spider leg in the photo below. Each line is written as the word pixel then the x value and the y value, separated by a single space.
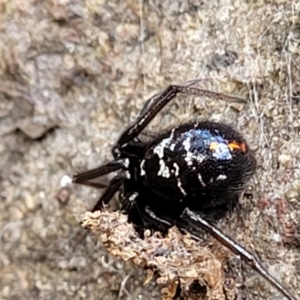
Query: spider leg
pixel 114 165
pixel 145 215
pixel 129 201
pixel 190 216
pixel 97 185
pixel 113 187
pixel 129 206
pixel 182 225
pixel 156 97
pixel 150 111
pixel 155 220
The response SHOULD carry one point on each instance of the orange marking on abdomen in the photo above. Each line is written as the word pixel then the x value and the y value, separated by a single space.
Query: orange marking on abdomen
pixel 237 146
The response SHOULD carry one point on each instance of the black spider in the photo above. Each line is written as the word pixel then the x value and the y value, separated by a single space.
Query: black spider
pixel 188 176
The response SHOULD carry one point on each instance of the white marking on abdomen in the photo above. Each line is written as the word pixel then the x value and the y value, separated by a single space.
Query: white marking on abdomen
pixel 201 180
pixel 142 166
pixel 176 169
pixel 163 171
pixel 179 184
pixel 221 177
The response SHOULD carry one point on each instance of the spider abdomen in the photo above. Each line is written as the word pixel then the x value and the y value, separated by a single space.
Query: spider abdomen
pixel 201 162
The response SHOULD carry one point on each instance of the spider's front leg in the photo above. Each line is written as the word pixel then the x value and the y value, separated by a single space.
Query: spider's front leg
pixel 155 104
pixel 150 102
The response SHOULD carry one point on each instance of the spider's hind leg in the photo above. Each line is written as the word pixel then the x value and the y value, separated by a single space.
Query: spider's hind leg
pixel 196 220
pixel 191 222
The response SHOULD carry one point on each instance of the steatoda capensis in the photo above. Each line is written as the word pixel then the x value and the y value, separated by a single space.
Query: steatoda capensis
pixel 189 176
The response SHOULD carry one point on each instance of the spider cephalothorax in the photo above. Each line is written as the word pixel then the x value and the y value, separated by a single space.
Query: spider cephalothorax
pixel 187 176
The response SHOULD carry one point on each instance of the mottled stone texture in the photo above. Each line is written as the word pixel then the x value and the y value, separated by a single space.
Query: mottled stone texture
pixel 74 73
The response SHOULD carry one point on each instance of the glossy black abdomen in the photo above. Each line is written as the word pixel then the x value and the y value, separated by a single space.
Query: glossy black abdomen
pixel 201 165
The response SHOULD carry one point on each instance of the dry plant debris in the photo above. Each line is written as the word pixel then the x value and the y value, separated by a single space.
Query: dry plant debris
pixel 177 258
